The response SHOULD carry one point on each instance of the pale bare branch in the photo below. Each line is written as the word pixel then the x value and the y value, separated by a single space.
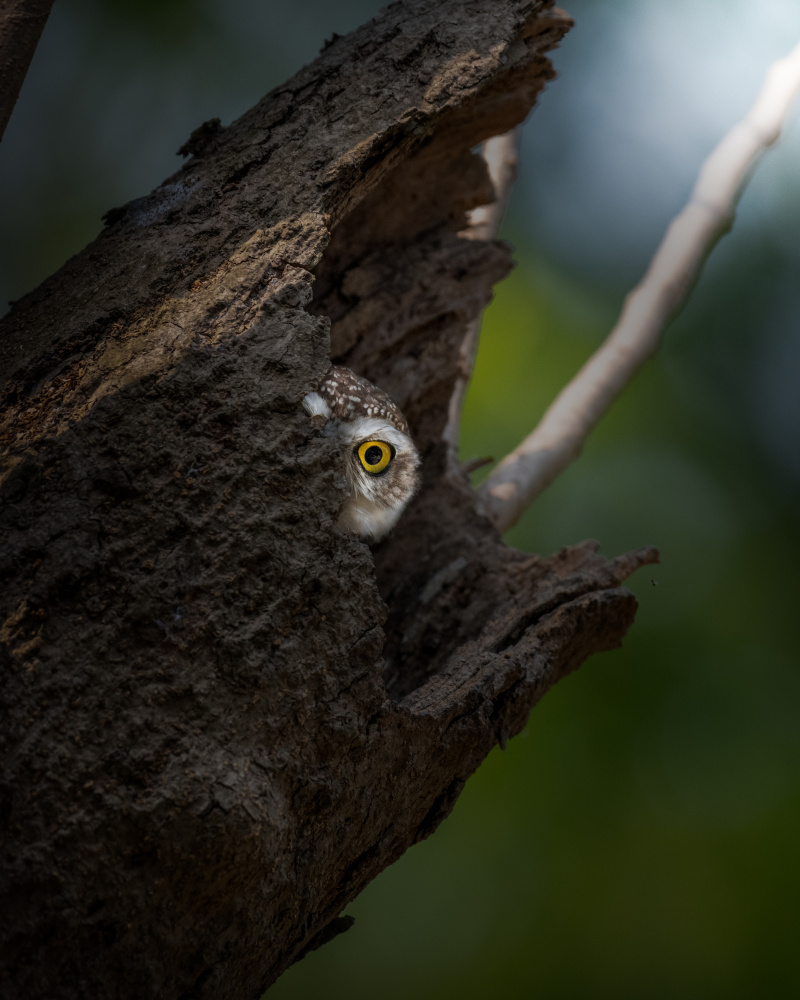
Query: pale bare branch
pixel 534 464
pixel 500 154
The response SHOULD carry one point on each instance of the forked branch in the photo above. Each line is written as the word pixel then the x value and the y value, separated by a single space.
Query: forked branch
pixel 536 462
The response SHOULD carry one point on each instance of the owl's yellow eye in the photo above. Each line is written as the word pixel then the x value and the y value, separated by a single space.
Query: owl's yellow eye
pixel 374 456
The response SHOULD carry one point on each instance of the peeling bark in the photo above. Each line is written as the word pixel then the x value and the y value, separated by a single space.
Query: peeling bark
pixel 221 718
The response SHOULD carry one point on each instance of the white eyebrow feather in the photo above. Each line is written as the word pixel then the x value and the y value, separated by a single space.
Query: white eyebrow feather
pixel 315 406
pixel 364 428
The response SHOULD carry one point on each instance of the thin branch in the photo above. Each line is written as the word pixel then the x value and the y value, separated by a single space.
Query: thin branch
pixel 500 154
pixel 21 26
pixel 534 464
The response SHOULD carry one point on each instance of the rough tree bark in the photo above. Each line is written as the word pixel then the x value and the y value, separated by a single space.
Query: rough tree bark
pixel 221 718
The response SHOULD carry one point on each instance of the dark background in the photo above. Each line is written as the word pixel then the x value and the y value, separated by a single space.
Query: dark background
pixel 640 839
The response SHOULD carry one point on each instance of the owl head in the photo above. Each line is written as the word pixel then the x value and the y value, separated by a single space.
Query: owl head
pixel 380 461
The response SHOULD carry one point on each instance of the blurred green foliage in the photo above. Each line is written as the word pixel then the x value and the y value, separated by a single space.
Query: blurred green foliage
pixel 640 839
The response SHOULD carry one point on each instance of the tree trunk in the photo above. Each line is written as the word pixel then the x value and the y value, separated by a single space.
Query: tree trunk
pixel 220 717
pixel 21 25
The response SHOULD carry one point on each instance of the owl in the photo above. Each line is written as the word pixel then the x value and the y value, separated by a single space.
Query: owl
pixel 380 461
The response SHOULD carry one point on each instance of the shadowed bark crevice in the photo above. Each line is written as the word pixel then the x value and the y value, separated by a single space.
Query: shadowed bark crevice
pixel 220 717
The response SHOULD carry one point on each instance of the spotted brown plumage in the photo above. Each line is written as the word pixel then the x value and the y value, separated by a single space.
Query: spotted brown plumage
pixel 350 396
pixel 367 424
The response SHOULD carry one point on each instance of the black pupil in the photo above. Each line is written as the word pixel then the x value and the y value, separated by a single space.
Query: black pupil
pixel 373 455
